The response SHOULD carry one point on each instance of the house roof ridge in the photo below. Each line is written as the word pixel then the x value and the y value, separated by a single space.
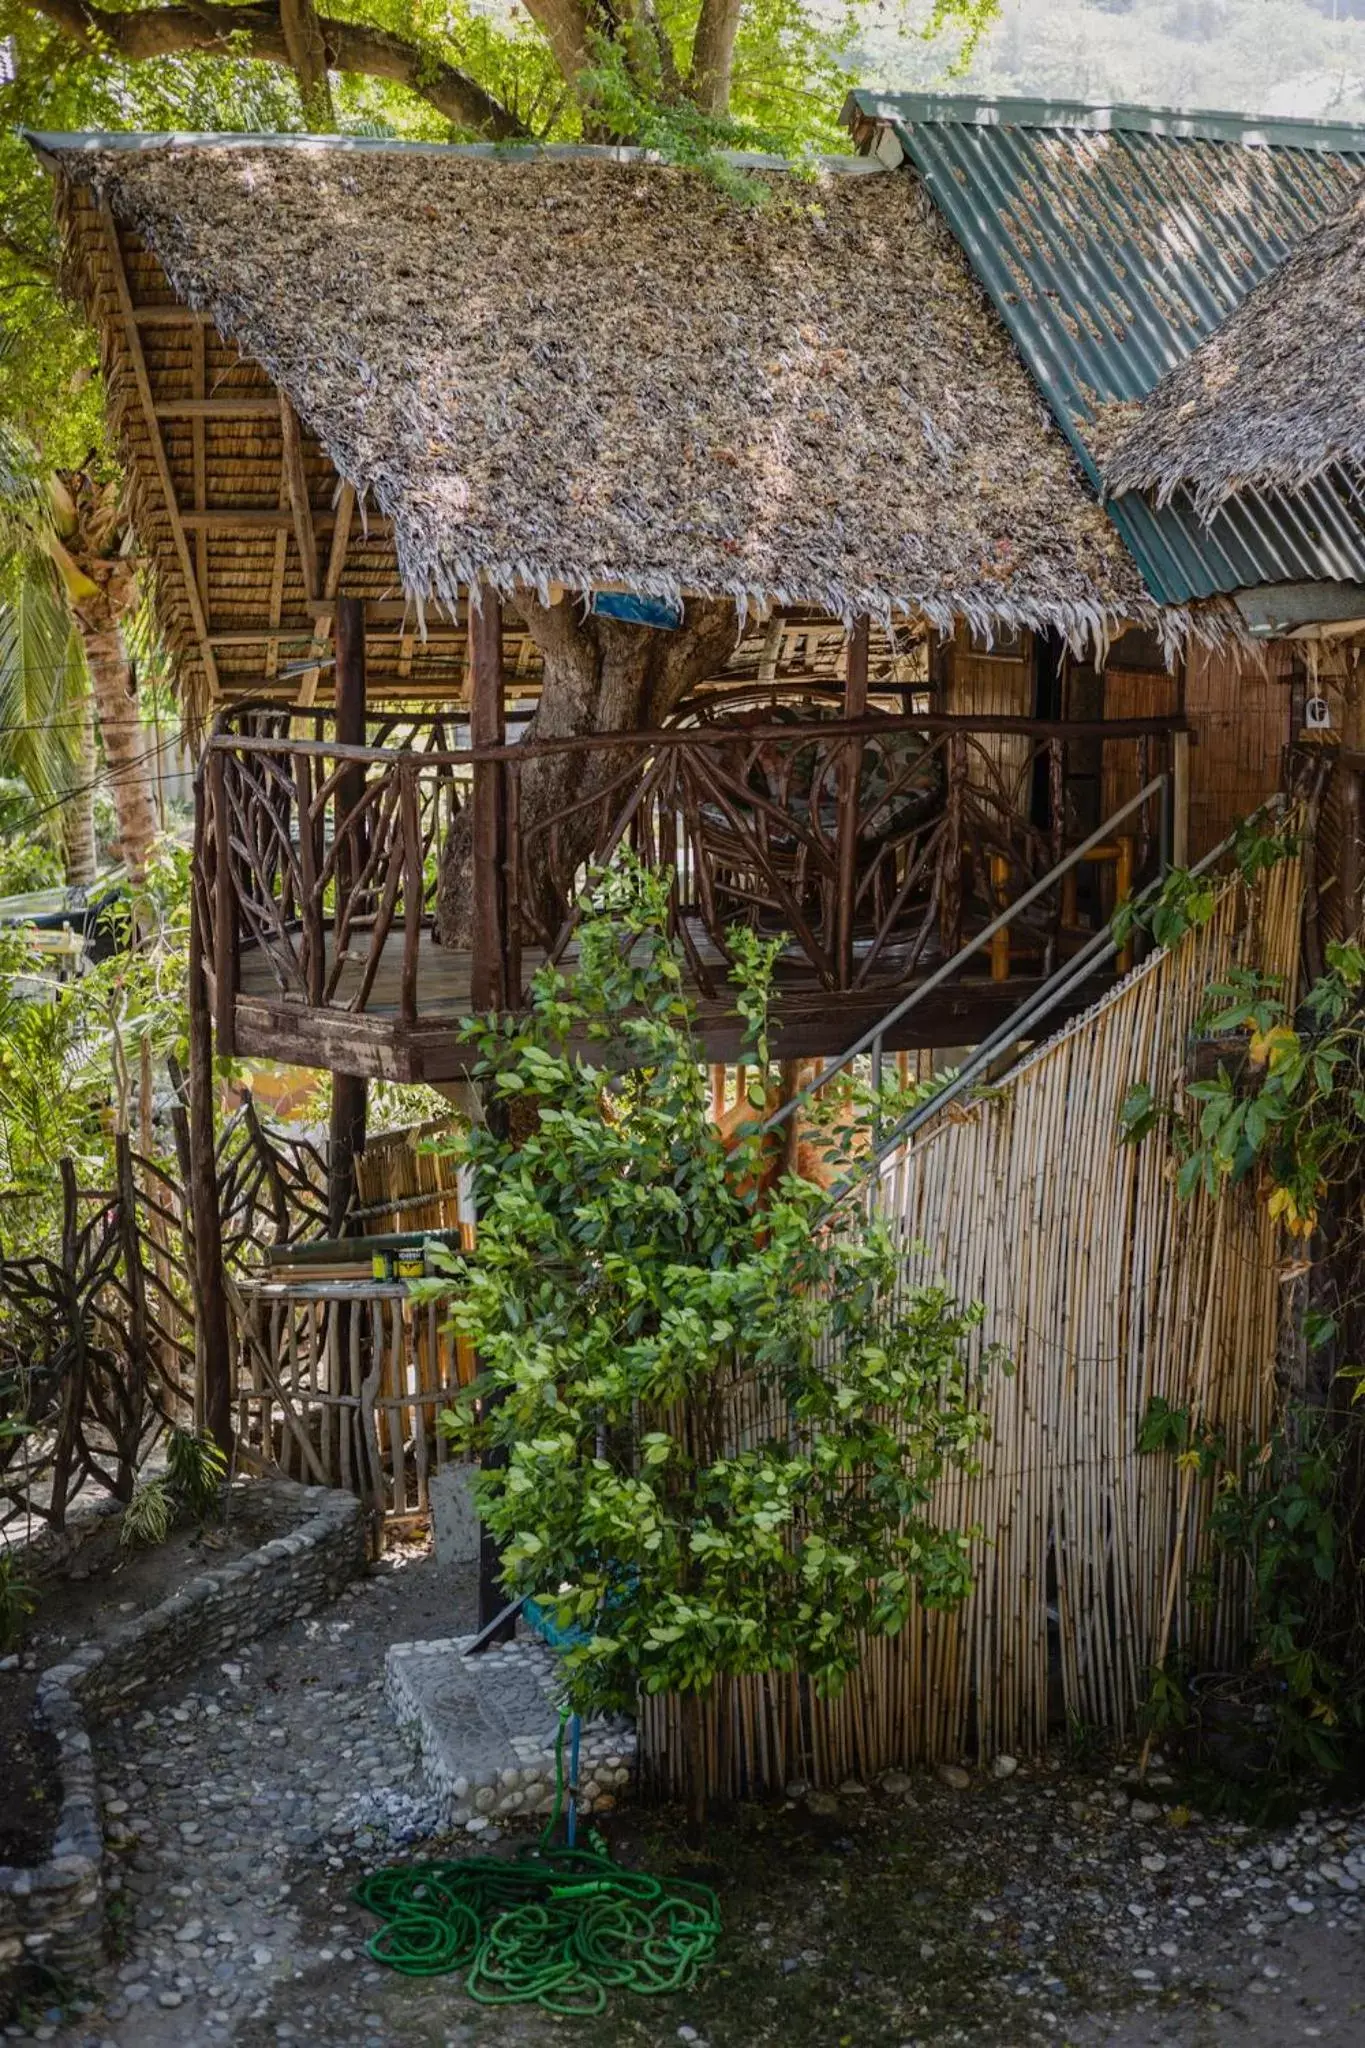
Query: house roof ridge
pixel 1195 124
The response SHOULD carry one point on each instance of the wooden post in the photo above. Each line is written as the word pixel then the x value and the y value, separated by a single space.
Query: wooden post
pixel 1000 944
pixel 211 1317
pixel 225 961
pixel 347 1140
pixel 487 990
pixel 1180 800
pixel 850 791
pixel 1351 849
pixel 350 732
pixel 348 1090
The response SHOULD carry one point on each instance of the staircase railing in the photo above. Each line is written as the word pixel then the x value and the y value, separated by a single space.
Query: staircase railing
pixel 1020 1025
pixel 874 1038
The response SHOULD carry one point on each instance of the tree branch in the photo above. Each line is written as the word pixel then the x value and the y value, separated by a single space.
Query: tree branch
pixel 308 55
pixel 257 31
pixel 565 27
pixel 713 54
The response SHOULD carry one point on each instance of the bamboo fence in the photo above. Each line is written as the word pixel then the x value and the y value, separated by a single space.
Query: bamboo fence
pixel 1105 1290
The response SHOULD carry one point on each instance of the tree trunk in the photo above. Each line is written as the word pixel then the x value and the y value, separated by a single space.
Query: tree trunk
pixel 125 746
pixel 694 1766
pixel 599 676
pixel 78 812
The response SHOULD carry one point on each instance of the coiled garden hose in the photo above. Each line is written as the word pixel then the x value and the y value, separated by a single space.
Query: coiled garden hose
pixel 556 1927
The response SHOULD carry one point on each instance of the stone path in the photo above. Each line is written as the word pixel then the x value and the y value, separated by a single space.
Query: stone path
pixel 236 1795
pixel 1044 1906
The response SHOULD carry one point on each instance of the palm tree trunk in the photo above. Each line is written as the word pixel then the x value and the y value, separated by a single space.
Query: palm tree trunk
pixel 78 812
pixel 125 744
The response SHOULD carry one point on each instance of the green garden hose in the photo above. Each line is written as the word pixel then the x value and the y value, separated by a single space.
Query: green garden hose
pixel 554 1927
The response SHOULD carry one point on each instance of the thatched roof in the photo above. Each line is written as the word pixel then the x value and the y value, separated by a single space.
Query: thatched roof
pixel 1276 396
pixel 605 372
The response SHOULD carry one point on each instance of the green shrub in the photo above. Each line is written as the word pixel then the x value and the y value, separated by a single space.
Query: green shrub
pixel 722 1419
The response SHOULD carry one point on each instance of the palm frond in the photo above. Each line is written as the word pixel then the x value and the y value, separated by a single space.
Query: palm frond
pixel 44 687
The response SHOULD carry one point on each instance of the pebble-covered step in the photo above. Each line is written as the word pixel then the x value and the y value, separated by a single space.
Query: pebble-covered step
pixel 486 1730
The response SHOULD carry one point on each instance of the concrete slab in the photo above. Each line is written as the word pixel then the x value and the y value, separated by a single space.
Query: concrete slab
pixel 454 1522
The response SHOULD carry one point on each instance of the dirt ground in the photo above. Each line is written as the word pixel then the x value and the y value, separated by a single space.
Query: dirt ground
pixel 1058 1903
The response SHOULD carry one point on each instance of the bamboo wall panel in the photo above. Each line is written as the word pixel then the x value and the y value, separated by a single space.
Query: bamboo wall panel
pixel 1131 693
pixel 1105 1290
pixel 1240 715
pixel 403 1185
pixel 993 686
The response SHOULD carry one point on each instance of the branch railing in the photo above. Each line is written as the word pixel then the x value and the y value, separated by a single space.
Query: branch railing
pixel 877 846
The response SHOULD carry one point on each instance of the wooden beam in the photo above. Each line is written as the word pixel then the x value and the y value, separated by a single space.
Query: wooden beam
pixel 171 316
pixel 341 540
pixel 300 504
pixel 277 572
pixel 260 519
pixel 266 407
pixel 239 519
pixel 486 729
pixel 199 464
pixel 158 447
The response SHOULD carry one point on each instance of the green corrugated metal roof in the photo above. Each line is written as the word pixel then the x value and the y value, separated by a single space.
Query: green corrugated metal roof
pixel 1112 241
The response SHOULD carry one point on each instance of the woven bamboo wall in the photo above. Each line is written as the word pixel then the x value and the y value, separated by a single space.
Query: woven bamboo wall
pixel 1239 711
pixel 993 685
pixel 1105 1290
pixel 1133 693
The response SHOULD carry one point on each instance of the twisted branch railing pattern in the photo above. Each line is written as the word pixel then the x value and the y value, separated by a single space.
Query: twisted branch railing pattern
pixel 874 845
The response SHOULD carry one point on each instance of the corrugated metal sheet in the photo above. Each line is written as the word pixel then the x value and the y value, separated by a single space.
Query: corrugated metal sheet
pixel 1113 240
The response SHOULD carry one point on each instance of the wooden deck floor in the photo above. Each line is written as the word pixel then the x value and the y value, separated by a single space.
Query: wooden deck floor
pixel 810 1022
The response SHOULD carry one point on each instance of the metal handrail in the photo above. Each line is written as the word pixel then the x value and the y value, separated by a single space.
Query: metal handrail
pixel 1019 1024
pixel 873 1039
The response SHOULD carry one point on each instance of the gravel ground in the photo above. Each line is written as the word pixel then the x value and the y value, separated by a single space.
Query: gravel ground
pixel 1044 1904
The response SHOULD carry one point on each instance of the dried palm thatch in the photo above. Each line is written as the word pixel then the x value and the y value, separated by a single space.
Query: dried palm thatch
pixel 602 372
pixel 1271 397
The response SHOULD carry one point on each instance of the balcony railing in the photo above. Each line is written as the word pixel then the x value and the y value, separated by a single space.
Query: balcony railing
pixel 875 845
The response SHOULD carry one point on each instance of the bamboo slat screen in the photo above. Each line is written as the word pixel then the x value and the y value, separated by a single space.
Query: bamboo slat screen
pixel 1240 718
pixel 993 685
pixel 1105 1290
pixel 403 1185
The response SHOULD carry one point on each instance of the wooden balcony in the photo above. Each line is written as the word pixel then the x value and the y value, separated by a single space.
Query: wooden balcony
pixel 876 845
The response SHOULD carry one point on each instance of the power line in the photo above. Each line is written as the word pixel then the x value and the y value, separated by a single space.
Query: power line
pixel 86 788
